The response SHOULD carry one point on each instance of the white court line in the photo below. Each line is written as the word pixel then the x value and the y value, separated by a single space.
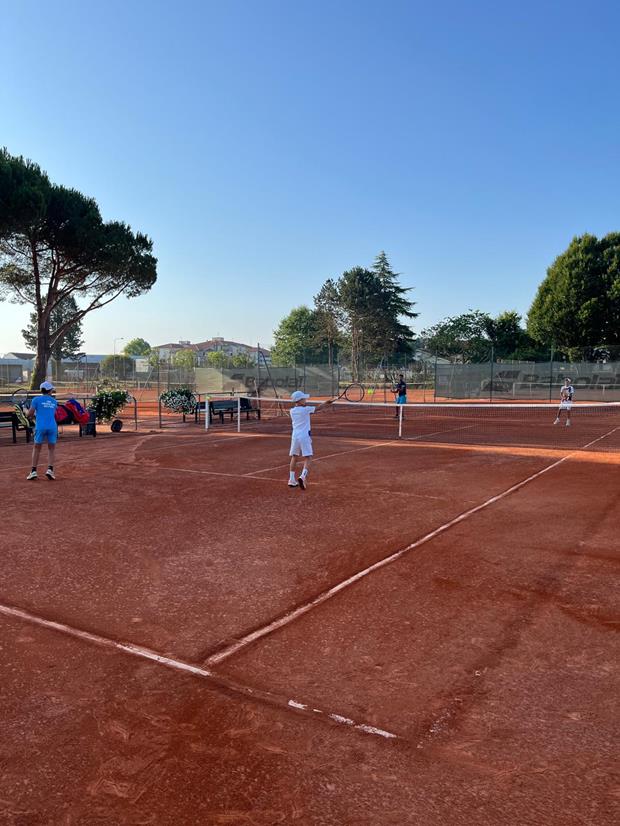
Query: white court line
pixel 279 481
pixel 341 586
pixel 214 473
pixel 197 671
pixel 322 458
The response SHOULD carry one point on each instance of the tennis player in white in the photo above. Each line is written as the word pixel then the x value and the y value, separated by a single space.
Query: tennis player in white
pixel 566 401
pixel 301 440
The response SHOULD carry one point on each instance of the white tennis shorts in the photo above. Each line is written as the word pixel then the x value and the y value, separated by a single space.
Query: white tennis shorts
pixel 565 405
pixel 301 445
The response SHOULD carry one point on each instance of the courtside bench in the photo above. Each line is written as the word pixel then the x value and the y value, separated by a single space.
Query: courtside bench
pixel 9 419
pixel 220 407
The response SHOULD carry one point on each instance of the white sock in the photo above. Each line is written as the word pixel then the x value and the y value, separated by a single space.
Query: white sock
pixel 291 476
pixel 304 473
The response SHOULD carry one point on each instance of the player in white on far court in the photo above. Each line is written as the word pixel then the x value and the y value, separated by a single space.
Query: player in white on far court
pixel 566 401
pixel 301 440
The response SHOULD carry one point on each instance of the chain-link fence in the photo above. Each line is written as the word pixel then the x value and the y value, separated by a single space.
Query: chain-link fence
pixel 594 373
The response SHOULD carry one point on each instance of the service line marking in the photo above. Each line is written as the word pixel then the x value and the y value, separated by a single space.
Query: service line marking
pixel 257 695
pixel 289 617
pixel 322 458
pixel 282 482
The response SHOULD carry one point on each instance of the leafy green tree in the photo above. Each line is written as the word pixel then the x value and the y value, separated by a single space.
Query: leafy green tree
pixel 464 337
pixel 511 341
pixel 373 304
pixel 328 319
pixel 243 360
pixel 67 345
pixel 578 303
pixel 54 245
pixel 137 347
pixel 118 367
pixel 216 358
pixel 360 301
pixel 184 358
pixel 295 339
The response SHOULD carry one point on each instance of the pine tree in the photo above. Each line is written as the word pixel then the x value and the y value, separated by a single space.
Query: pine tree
pixel 390 334
pixel 67 345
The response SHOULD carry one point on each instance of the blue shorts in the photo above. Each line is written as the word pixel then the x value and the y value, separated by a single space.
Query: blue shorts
pixel 401 399
pixel 47 434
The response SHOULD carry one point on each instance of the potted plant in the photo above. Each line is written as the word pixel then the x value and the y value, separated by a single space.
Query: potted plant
pixel 180 400
pixel 106 403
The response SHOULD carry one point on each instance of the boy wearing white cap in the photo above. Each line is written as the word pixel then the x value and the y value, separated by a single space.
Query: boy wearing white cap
pixel 45 430
pixel 301 440
pixel 566 401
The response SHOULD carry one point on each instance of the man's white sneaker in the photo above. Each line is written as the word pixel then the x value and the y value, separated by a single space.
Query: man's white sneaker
pixel 557 421
pixel 32 475
pixel 50 474
pixel 302 482
pixel 568 423
pixel 292 484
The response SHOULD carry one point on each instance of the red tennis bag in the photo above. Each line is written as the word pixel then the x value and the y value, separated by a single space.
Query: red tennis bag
pixel 77 411
pixel 63 415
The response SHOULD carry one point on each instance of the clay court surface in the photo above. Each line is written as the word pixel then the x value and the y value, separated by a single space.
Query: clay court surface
pixel 427 635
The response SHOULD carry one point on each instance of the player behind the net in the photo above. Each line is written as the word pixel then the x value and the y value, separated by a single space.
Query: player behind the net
pixel 566 401
pixel 400 392
pixel 301 439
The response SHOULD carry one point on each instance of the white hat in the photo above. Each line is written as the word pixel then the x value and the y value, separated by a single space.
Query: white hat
pixel 297 396
pixel 46 385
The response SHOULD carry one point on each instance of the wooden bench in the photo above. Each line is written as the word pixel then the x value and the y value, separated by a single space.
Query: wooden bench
pixel 9 419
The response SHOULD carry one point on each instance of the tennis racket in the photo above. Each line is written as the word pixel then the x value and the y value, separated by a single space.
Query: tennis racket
pixel 353 393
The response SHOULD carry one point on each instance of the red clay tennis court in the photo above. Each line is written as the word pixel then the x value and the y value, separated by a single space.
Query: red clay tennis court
pixel 427 635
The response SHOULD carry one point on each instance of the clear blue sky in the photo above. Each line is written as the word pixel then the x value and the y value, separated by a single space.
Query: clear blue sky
pixel 266 146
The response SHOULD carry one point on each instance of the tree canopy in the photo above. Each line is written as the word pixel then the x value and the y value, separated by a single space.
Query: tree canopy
pixel 578 303
pixel 362 312
pixel 54 245
pixel 216 358
pixel 476 336
pixel 184 358
pixel 137 347
pixel 118 367
pixel 298 339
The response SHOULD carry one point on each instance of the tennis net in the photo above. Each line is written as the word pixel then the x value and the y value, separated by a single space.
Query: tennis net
pixel 524 425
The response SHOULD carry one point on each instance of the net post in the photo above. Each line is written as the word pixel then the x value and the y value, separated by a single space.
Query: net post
pixel 400 420
pixel 238 414
pixel 207 411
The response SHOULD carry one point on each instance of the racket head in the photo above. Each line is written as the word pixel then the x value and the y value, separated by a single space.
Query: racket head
pixel 354 392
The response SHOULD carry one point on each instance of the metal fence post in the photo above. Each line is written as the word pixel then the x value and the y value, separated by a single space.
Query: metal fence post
pixel 551 373
pixel 491 385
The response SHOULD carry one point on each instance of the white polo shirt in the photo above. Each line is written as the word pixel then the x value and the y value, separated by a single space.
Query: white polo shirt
pixel 300 416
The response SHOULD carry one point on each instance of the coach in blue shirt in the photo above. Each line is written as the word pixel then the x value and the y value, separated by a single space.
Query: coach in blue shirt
pixel 45 429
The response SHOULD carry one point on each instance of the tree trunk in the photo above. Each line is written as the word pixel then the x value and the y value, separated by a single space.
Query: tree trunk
pixel 43 353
